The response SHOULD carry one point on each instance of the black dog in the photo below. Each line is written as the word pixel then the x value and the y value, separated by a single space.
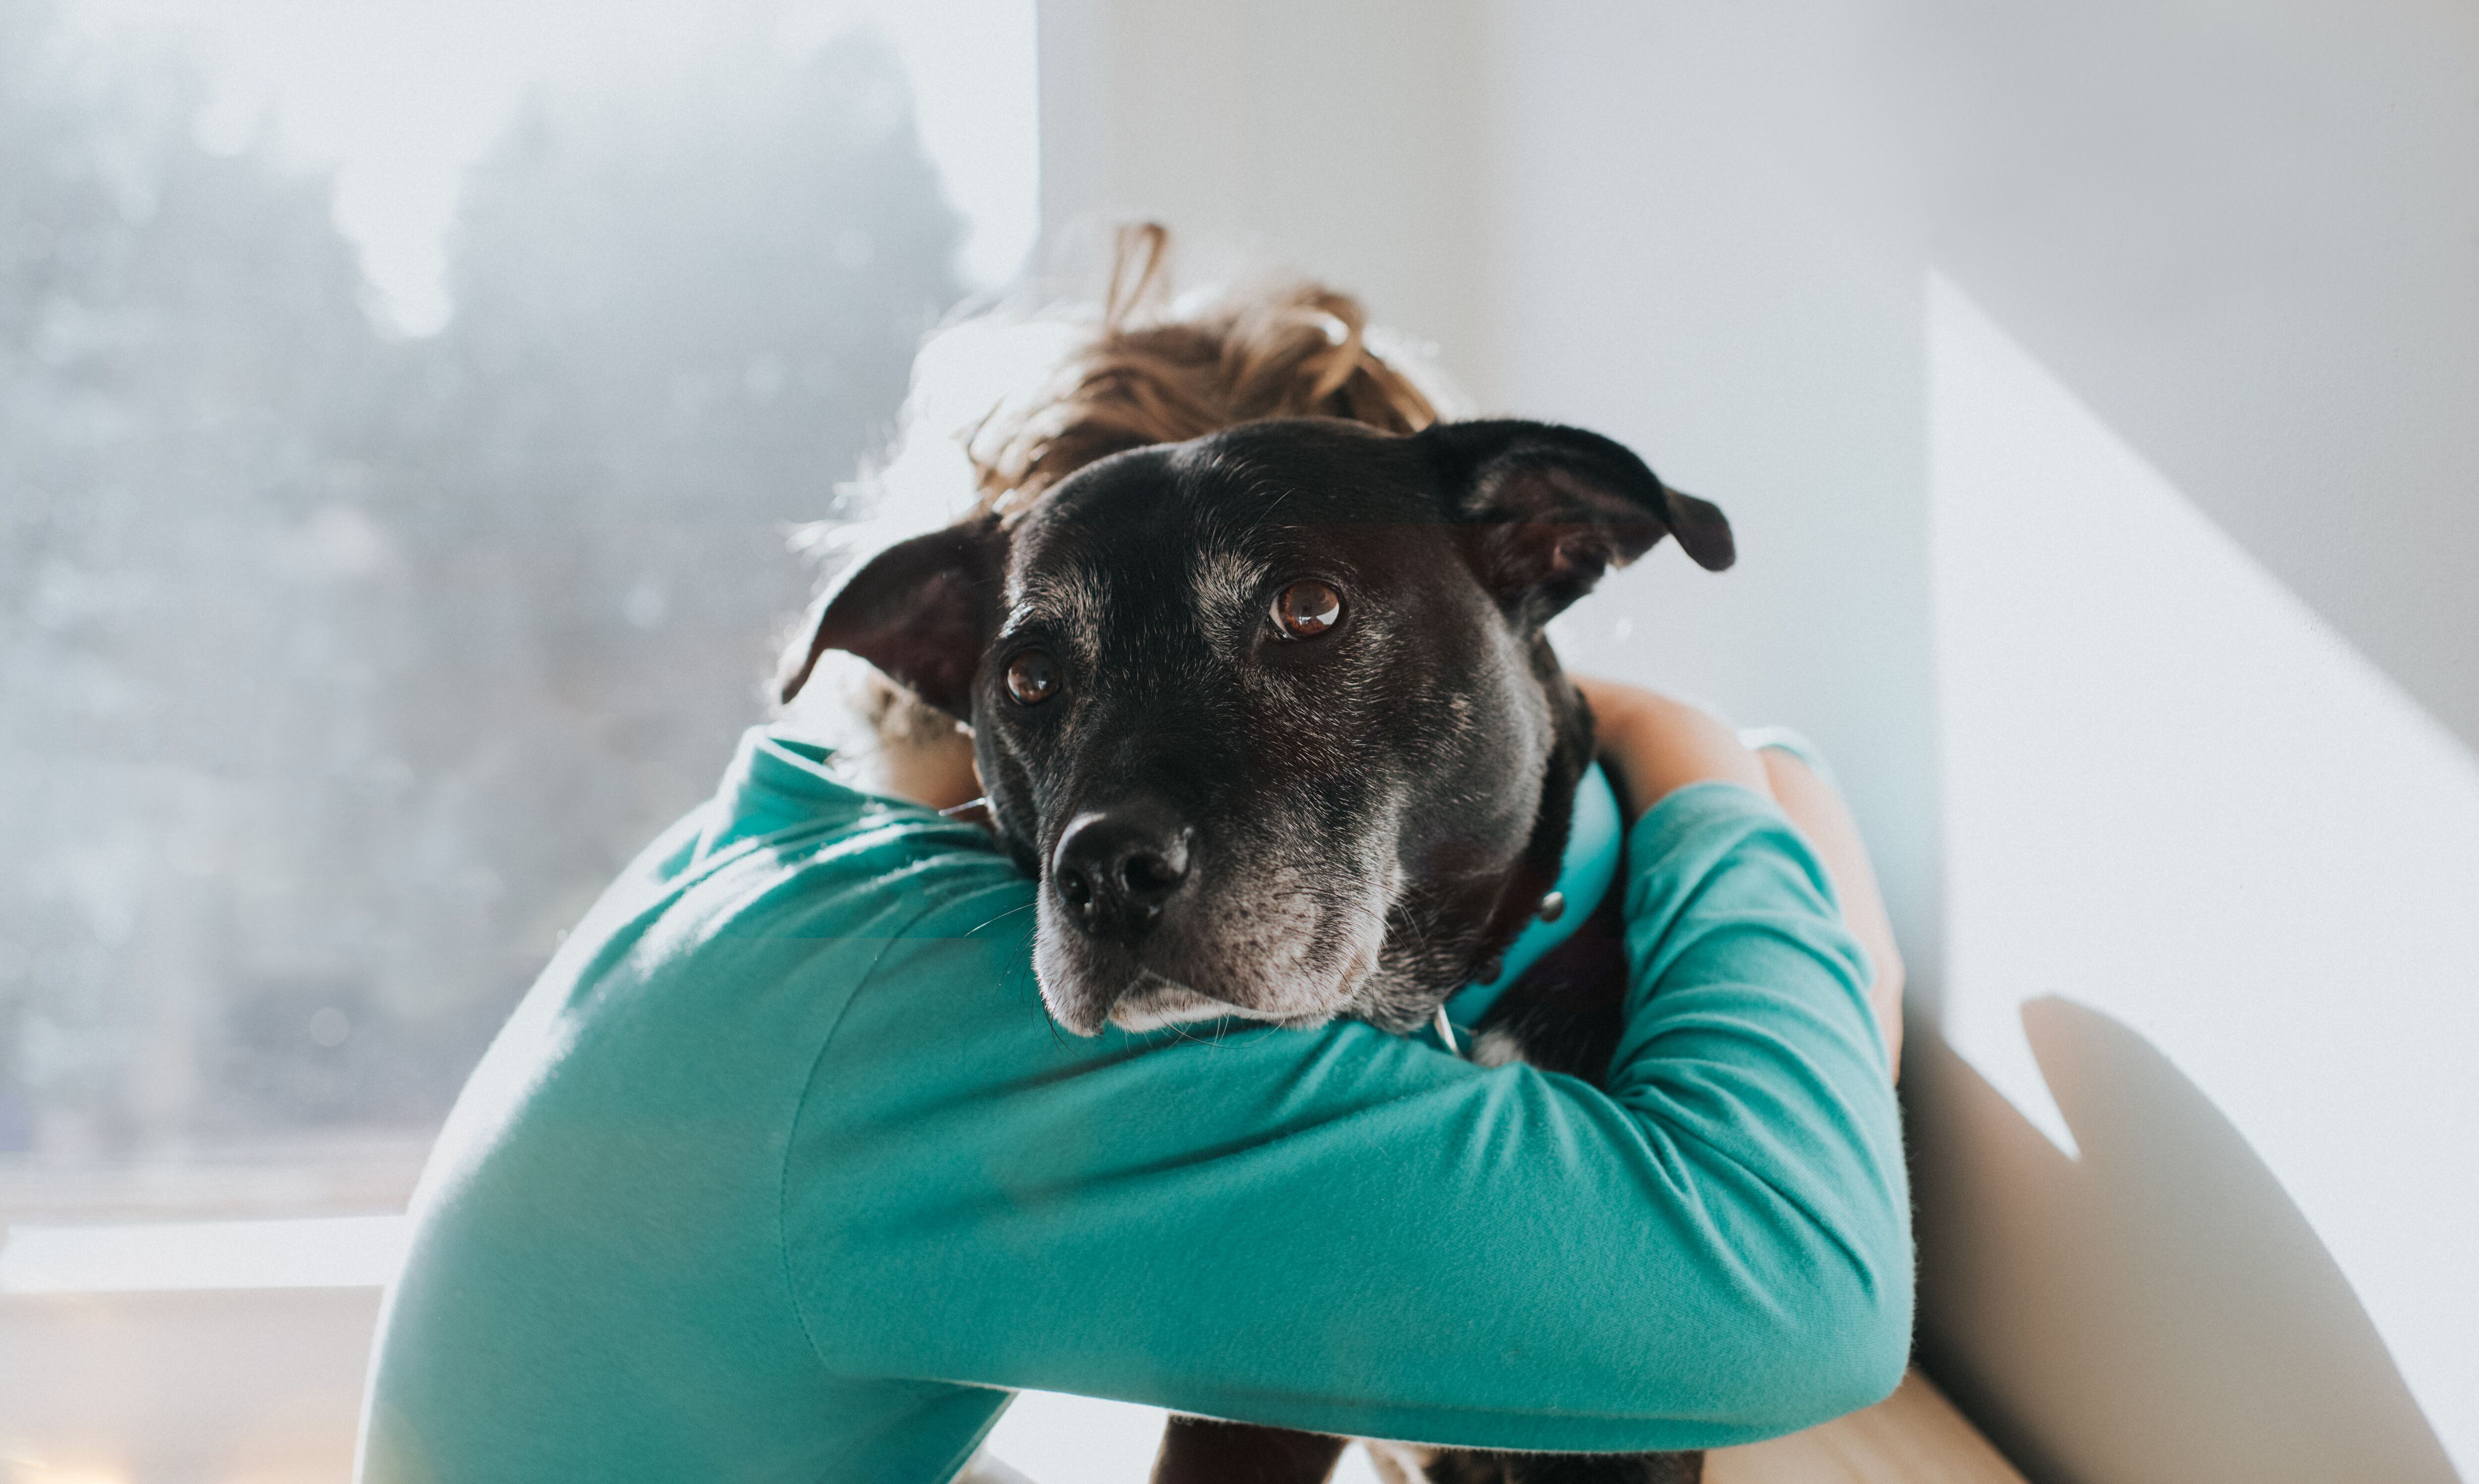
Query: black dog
pixel 1272 716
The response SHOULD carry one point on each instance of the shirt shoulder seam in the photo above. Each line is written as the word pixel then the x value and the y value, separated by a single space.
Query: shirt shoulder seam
pixel 799 1106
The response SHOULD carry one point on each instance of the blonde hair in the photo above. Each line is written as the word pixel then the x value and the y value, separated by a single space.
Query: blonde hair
pixel 1153 371
pixel 1154 375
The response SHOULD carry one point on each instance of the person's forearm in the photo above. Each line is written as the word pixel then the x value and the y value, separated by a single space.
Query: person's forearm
pixel 1822 816
pixel 1346 1232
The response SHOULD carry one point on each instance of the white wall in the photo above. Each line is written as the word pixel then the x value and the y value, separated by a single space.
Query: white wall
pixel 2184 815
pixel 1339 138
pixel 2237 248
pixel 2248 237
pixel 1688 258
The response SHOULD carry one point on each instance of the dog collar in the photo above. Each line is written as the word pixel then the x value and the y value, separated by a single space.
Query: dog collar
pixel 1585 871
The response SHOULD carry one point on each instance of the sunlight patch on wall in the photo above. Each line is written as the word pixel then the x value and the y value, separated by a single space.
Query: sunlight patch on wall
pixel 2174 793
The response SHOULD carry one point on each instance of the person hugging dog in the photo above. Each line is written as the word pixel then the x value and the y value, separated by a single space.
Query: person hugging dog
pixel 784 1170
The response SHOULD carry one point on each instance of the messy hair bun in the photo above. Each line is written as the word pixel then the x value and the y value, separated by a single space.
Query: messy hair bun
pixel 1152 374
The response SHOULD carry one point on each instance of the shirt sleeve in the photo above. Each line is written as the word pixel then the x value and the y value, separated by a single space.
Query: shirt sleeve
pixel 1348 1231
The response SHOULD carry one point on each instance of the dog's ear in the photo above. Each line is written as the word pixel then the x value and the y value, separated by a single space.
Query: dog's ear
pixel 1551 508
pixel 921 610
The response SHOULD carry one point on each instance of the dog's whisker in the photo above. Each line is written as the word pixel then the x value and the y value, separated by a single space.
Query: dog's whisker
pixel 1004 916
pixel 959 810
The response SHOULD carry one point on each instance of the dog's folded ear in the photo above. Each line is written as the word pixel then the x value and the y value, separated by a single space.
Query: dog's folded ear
pixel 1551 508
pixel 922 611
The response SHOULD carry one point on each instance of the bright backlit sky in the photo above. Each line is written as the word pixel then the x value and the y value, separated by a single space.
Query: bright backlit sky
pixel 399 96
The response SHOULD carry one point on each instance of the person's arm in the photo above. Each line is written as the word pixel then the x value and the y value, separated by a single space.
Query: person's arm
pixel 1656 744
pixel 1348 1231
pixel 1815 806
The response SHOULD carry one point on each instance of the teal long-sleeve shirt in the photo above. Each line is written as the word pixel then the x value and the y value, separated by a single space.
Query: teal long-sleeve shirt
pixel 781 1173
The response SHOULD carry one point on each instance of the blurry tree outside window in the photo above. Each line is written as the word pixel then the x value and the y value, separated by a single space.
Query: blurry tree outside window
pixel 339 670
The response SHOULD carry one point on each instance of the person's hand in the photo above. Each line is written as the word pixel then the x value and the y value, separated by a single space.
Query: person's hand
pixel 1656 745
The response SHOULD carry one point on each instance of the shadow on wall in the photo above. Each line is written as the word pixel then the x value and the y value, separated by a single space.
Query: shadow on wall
pixel 2101 1293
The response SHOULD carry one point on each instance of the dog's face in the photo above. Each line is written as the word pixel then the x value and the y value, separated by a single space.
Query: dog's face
pixel 1271 712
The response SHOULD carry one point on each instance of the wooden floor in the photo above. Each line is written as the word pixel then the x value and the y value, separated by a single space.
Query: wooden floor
pixel 1913 1436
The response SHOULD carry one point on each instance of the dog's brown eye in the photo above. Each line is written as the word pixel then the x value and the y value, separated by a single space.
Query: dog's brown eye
pixel 1307 609
pixel 1032 677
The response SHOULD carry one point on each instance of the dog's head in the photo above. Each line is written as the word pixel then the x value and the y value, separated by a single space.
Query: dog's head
pixel 1271 712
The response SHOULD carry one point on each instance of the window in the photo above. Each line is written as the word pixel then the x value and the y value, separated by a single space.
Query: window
pixel 401 417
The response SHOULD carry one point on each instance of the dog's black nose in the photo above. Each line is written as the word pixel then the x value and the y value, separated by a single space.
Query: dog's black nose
pixel 1115 869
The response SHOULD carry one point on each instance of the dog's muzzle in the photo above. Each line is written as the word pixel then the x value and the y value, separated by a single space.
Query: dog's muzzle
pixel 1116 870
pixel 1148 921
